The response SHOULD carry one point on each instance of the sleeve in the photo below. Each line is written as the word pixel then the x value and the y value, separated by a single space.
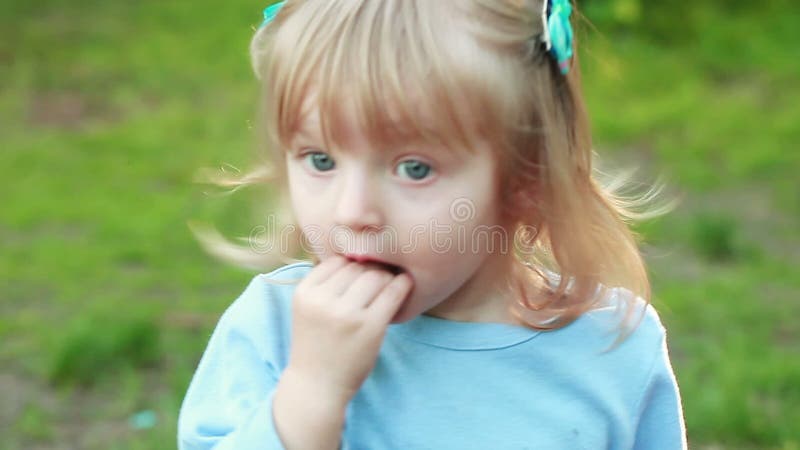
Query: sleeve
pixel 660 424
pixel 229 401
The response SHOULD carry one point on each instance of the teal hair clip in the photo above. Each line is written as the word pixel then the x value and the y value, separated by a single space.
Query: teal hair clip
pixel 270 12
pixel 557 34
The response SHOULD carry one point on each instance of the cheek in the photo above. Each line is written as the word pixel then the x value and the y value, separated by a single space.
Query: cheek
pixel 304 195
pixel 460 227
pixel 437 282
pixel 296 191
pixel 309 215
pixel 441 263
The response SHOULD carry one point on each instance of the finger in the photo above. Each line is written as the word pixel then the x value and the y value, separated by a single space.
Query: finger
pixel 343 278
pixel 390 299
pixel 363 290
pixel 325 269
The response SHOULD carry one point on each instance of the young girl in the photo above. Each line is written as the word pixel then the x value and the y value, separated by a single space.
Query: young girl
pixel 472 286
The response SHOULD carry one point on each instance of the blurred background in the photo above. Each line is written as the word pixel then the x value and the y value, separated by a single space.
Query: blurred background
pixel 108 109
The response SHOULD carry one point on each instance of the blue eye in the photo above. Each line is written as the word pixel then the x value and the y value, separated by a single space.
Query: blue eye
pixel 413 169
pixel 320 161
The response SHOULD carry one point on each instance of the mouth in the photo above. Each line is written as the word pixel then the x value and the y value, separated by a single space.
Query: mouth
pixel 376 263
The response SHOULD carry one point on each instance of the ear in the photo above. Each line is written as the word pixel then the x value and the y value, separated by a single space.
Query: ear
pixel 520 200
pixel 525 191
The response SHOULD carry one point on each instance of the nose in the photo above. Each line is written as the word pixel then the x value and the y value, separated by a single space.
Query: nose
pixel 358 206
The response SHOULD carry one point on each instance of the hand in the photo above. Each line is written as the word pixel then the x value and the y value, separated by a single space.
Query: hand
pixel 341 311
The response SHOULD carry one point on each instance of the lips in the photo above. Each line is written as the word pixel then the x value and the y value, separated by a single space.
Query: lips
pixel 377 263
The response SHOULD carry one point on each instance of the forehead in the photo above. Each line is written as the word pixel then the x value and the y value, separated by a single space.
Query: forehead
pixel 344 122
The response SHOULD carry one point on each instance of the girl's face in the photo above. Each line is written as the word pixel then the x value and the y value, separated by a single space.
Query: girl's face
pixel 418 207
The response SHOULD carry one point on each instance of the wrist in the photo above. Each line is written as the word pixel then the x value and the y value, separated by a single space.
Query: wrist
pixel 324 398
pixel 306 417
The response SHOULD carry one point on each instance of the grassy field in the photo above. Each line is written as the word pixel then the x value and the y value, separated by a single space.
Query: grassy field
pixel 108 109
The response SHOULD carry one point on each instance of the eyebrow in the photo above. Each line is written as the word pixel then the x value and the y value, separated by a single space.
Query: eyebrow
pixel 305 132
pixel 401 136
pixel 308 132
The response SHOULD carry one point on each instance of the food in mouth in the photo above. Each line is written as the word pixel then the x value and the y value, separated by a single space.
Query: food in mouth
pixel 369 262
pixel 391 268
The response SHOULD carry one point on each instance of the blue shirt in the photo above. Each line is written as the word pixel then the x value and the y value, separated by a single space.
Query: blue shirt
pixel 441 384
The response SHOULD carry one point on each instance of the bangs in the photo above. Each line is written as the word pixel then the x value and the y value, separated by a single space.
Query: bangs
pixel 397 70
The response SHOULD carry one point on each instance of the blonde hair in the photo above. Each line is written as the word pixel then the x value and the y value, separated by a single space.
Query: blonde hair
pixel 479 70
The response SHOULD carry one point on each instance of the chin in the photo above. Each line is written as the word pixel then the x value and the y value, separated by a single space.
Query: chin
pixel 404 314
pixel 412 307
pixel 397 321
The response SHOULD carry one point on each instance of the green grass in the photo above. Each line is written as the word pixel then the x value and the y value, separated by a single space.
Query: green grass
pixel 107 110
pixel 83 358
